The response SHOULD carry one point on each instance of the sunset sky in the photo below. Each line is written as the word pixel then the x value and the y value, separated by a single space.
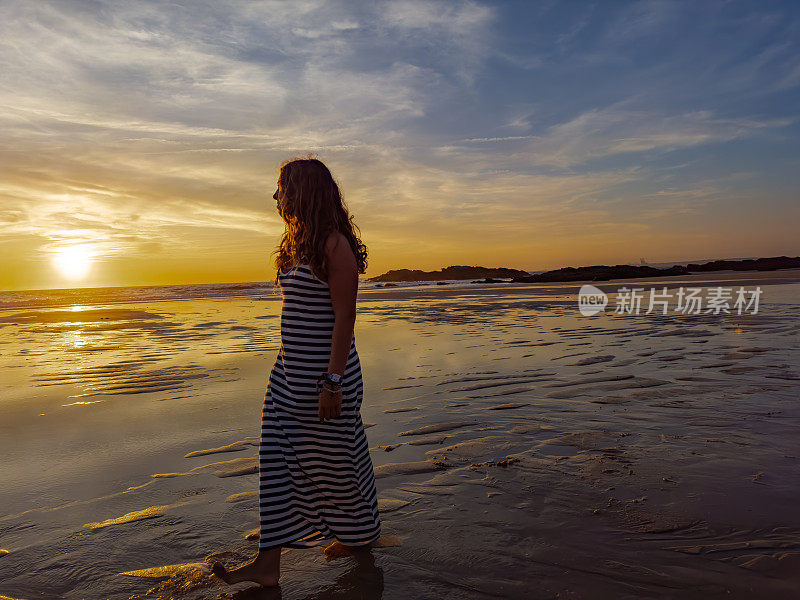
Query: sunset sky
pixel 140 141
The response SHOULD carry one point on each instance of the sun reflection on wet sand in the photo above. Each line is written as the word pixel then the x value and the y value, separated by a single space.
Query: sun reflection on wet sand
pixel 75 338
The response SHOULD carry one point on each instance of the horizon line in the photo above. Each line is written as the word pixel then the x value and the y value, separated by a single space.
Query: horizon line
pixel 360 276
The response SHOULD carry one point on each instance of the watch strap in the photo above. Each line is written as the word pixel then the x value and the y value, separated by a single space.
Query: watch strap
pixel 333 378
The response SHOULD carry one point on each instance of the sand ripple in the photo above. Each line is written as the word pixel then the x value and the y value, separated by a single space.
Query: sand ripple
pixel 136 515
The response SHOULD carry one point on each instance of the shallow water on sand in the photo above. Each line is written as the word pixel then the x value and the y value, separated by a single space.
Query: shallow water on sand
pixel 521 450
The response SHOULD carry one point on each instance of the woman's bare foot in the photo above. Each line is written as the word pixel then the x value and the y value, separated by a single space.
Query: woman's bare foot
pixel 264 570
pixel 337 549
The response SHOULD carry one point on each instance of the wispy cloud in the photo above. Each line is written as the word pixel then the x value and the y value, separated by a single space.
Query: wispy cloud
pixel 610 131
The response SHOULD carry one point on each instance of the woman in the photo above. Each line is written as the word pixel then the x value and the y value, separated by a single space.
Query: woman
pixel 316 479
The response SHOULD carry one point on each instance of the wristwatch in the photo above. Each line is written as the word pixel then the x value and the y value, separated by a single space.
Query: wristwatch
pixel 333 378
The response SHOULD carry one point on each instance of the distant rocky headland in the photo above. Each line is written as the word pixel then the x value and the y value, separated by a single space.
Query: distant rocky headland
pixel 454 272
pixel 602 273
pixel 758 264
pixel 593 273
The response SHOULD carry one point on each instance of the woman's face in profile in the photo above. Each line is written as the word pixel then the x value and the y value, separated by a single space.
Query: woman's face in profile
pixel 278 196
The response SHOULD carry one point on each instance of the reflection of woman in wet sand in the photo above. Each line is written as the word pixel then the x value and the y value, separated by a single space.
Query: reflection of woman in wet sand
pixel 316 480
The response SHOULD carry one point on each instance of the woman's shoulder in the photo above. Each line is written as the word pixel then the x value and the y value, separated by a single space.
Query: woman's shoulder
pixel 334 242
pixel 338 252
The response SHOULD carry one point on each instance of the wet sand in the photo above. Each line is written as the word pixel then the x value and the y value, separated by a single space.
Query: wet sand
pixel 521 450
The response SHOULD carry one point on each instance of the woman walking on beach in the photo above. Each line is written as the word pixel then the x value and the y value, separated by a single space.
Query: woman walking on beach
pixel 316 479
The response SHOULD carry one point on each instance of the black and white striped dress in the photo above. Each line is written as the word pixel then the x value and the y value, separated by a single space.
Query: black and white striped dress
pixel 316 478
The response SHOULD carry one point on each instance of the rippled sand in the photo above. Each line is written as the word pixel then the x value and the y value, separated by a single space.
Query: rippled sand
pixel 521 450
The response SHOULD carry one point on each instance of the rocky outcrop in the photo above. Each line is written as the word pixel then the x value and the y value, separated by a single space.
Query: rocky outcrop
pixel 453 272
pixel 600 273
pixel 759 264
pixel 593 273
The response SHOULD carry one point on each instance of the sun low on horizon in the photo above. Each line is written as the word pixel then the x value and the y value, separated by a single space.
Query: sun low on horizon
pixel 142 142
pixel 73 262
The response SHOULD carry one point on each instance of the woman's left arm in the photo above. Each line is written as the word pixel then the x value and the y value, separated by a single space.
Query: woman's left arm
pixel 343 284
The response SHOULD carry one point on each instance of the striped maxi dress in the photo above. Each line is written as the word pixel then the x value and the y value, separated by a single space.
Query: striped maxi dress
pixel 316 479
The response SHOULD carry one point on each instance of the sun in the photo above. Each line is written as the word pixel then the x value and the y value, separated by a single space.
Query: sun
pixel 73 262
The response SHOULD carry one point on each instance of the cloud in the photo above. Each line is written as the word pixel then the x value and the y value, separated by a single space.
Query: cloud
pixel 615 130
pixel 641 19
pixel 144 126
pixel 112 223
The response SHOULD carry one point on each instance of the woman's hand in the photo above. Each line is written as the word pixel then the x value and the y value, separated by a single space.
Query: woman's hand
pixel 330 404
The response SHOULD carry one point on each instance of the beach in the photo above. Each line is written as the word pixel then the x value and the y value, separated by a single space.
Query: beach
pixel 521 449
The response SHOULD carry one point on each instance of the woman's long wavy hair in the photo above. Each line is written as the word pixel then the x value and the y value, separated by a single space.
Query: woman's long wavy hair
pixel 312 207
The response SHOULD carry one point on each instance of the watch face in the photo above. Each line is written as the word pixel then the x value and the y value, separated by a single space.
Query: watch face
pixel 334 377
